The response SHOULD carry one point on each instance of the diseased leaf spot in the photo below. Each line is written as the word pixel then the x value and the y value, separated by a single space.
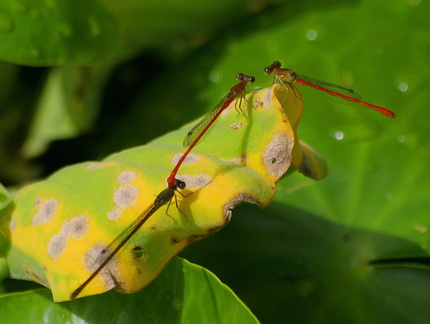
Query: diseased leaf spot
pixel 76 228
pixel 191 158
pixel 175 240
pixel 56 245
pixel 94 257
pixel 195 181
pixel 126 177
pixel 93 165
pixel 277 155
pixel 138 253
pixel 125 196
pixel 114 214
pixel 46 212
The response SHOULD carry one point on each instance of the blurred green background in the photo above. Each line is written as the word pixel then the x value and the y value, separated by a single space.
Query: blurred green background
pixel 83 79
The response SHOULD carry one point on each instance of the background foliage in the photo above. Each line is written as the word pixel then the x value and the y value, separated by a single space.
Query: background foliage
pixel 351 248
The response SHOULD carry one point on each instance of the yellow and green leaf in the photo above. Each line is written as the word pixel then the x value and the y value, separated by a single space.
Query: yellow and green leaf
pixel 60 225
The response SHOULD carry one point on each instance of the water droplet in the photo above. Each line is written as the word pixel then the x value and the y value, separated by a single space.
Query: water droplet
pixel 177 303
pixel 412 141
pixel 311 34
pixel 66 30
pixel 357 132
pixel 403 86
pixel 94 26
pixel 388 195
pixel 338 135
pixel 6 22
pixel 214 76
pixel 20 7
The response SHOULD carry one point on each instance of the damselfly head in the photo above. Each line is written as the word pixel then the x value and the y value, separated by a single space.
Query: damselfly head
pixel 180 184
pixel 244 77
pixel 272 67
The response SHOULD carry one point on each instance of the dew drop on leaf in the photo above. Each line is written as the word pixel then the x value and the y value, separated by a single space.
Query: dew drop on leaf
pixel 357 132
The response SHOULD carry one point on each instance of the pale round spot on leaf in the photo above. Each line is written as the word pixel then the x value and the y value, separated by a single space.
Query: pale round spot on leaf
pixel 93 165
pixel 76 228
pixel 56 245
pixel 46 212
pixel 125 196
pixel 195 181
pixel 95 257
pixel 277 156
pixel 191 158
pixel 126 177
pixel 114 214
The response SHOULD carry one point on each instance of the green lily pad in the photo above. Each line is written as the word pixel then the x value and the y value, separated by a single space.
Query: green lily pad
pixel 184 292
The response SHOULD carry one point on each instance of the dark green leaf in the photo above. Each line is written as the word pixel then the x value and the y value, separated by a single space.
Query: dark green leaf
pixel 183 293
pixel 56 32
